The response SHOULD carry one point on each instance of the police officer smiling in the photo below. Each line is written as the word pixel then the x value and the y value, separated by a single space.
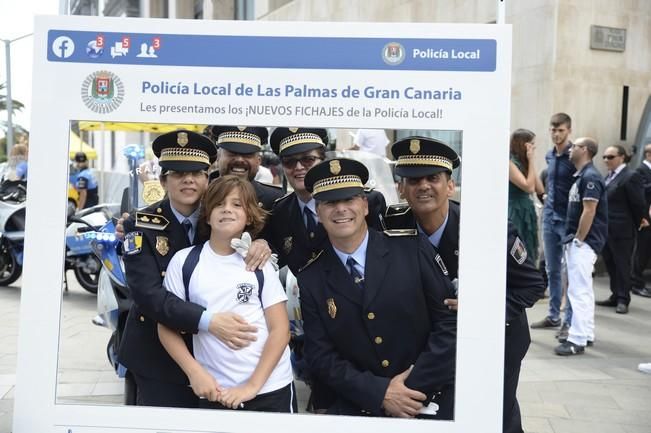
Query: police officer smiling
pixel 153 235
pixel 373 307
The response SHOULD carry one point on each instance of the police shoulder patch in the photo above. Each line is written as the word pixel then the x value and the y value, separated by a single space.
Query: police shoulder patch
pixel 132 243
pixel 392 233
pixel 519 251
pixel 590 185
pixel 151 221
pixel 314 258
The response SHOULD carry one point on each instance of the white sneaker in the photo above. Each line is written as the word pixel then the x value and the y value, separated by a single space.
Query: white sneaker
pixel 645 367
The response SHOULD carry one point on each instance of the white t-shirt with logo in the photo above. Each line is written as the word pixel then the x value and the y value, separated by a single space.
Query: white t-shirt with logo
pixel 222 284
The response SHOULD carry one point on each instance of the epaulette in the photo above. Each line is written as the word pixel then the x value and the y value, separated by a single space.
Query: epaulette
pixel 151 221
pixel 401 232
pixel 312 260
pixel 283 197
pixel 397 209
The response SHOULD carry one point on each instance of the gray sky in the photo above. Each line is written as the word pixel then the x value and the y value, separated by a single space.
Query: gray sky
pixel 17 19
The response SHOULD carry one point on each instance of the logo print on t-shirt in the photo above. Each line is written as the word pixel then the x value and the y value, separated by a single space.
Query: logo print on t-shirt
pixel 244 292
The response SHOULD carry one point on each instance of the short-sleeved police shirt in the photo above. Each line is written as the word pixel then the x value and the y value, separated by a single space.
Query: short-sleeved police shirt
pixel 589 185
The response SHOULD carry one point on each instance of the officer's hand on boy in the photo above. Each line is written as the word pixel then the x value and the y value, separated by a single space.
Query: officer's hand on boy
pixel 236 396
pixel 400 401
pixel 204 385
pixel 256 253
pixel 232 330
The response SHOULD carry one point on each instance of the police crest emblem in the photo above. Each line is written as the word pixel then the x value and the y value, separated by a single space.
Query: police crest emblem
pixel 519 251
pixel 335 167
pixel 152 191
pixel 182 139
pixel 132 243
pixel 414 146
pixel 162 245
pixel 332 307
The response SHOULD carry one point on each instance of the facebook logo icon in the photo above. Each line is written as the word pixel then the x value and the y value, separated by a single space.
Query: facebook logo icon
pixel 63 47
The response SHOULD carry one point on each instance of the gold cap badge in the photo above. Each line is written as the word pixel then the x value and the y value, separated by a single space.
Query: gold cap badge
pixel 293 130
pixel 414 146
pixel 182 139
pixel 335 167
pixel 241 128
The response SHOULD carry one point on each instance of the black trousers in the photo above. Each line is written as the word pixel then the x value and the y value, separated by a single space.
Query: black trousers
pixel 617 255
pixel 516 344
pixel 152 392
pixel 280 400
pixel 641 257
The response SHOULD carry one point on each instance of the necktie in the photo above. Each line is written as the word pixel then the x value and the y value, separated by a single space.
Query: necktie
pixel 309 222
pixel 187 225
pixel 357 277
pixel 609 177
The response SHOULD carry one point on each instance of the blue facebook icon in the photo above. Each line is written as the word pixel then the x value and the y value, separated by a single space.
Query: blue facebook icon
pixel 63 47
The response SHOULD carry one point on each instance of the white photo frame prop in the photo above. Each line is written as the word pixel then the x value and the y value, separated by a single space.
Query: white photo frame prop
pixel 353 75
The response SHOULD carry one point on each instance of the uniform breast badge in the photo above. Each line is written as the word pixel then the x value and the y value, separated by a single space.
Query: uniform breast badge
pixel 332 308
pixel 162 245
pixel 287 244
pixel 152 191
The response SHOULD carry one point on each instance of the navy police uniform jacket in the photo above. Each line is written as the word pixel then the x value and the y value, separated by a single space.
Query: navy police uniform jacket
pixel 524 283
pixel 285 230
pixel 152 236
pixel 356 340
pixel 266 194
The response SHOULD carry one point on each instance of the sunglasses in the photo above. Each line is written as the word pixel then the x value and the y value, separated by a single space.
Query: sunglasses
pixel 609 157
pixel 306 161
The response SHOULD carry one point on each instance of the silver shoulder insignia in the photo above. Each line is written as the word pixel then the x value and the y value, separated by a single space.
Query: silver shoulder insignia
pixel 401 232
pixel 283 197
pixel 439 261
pixel 312 260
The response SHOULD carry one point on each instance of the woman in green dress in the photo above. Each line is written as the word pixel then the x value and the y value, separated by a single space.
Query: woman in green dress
pixel 523 181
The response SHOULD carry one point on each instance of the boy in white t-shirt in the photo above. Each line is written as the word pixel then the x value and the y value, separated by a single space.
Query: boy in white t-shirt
pixel 259 376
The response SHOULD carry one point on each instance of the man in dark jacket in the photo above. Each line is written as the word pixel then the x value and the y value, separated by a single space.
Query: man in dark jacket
pixel 376 328
pixel 643 242
pixel 425 166
pixel 626 210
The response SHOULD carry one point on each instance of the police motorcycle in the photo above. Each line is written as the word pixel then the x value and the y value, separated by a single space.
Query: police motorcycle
pixel 12 230
pixel 79 253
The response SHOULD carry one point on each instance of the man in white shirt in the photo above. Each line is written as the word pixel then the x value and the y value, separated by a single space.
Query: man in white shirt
pixel 372 141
